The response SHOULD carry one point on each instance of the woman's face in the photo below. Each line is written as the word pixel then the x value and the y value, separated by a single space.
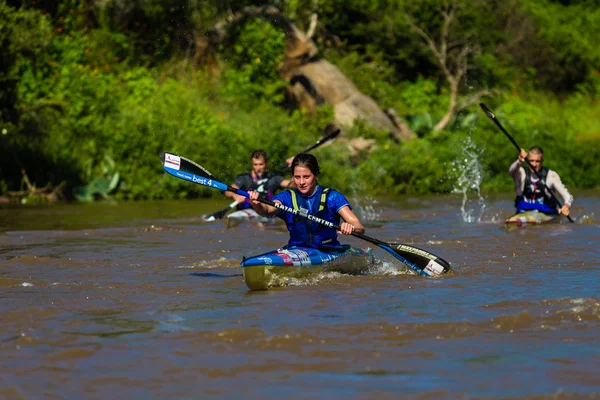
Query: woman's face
pixel 305 180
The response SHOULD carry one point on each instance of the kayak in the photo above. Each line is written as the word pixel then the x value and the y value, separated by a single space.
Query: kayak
pixel 275 267
pixel 530 217
pixel 246 215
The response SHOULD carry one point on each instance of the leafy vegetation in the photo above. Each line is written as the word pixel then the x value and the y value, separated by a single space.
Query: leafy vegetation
pixel 92 91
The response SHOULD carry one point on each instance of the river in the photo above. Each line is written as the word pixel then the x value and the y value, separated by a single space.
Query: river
pixel 146 301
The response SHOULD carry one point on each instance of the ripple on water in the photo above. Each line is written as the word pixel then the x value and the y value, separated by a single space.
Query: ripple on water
pixel 158 309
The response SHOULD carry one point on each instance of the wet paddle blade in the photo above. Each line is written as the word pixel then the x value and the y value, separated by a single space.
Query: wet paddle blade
pixel 220 214
pixel 420 261
pixel 216 215
pixel 175 162
pixel 182 168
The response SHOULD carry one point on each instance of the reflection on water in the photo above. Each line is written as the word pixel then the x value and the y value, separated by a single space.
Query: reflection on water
pixel 147 301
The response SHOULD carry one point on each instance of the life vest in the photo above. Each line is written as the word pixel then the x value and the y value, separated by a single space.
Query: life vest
pixel 534 196
pixel 258 185
pixel 304 232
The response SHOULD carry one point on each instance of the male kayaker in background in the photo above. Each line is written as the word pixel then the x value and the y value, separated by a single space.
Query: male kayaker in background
pixel 325 203
pixel 533 194
pixel 258 179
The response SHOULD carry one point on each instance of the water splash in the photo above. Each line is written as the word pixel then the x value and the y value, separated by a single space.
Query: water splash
pixel 469 174
pixel 365 209
pixel 587 219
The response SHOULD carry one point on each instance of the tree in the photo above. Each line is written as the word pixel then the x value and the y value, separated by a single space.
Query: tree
pixel 452 56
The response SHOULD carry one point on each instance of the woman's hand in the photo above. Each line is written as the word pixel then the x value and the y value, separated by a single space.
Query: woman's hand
pixel 346 229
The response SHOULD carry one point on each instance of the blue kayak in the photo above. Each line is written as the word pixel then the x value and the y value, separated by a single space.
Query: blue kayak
pixel 273 268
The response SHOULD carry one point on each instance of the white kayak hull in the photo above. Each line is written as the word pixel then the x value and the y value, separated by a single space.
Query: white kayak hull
pixel 246 215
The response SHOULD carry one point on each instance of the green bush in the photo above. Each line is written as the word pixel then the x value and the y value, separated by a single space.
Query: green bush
pixel 254 58
pixel 82 85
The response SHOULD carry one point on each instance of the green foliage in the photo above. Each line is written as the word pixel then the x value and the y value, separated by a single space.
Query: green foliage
pixel 370 72
pixel 255 57
pixel 156 28
pixel 23 38
pixel 414 167
pixel 572 31
pixel 91 93
pixel 102 185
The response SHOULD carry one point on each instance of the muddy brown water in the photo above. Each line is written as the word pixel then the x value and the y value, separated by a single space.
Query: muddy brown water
pixel 147 301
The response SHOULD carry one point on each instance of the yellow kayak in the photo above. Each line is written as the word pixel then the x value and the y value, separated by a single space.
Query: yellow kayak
pixel 530 217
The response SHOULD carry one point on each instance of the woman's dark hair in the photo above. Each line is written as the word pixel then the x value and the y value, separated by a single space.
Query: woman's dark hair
pixel 259 154
pixel 307 161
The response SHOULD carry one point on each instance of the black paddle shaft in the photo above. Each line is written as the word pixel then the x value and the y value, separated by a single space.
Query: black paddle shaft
pixel 491 115
pixel 336 131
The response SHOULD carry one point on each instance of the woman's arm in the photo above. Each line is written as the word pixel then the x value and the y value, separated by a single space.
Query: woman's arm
pixel 287 184
pixel 262 209
pixel 351 222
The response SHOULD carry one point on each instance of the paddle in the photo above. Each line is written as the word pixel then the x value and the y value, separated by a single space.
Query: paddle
pixel 334 132
pixel 490 114
pixel 220 214
pixel 420 261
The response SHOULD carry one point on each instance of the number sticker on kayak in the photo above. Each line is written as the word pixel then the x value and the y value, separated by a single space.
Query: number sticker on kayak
pixel 294 257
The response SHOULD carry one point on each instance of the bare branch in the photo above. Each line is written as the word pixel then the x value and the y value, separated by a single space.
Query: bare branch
pixel 404 131
pixel 313 25
pixel 430 43
pixel 448 18
pixel 462 63
pixel 452 56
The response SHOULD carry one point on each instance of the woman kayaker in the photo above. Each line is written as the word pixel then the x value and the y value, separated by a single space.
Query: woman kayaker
pixel 309 196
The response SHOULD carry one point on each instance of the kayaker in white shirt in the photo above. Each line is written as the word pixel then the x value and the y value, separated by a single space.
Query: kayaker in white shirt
pixel 531 193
